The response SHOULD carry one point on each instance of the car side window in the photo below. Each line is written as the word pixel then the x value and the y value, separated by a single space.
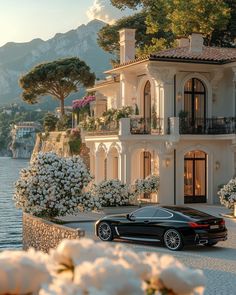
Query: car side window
pixel 145 212
pixel 162 214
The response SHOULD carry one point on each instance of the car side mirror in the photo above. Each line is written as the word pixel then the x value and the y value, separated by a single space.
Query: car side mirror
pixel 130 216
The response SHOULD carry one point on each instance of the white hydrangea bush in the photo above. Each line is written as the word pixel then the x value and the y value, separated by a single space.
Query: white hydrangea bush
pixel 112 193
pixel 148 185
pixel 53 186
pixel 86 267
pixel 227 194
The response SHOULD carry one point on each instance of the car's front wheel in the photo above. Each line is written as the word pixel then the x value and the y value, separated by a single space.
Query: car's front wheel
pixel 173 240
pixel 104 231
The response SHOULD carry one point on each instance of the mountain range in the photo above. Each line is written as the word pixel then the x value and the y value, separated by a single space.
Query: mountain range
pixel 17 59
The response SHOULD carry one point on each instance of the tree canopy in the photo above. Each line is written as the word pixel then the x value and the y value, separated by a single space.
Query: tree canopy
pixel 58 79
pixel 159 22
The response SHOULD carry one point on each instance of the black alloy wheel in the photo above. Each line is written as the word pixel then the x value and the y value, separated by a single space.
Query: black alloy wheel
pixel 105 232
pixel 173 240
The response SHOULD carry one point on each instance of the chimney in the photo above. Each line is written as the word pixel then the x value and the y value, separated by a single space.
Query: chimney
pixel 127 45
pixel 183 41
pixel 196 43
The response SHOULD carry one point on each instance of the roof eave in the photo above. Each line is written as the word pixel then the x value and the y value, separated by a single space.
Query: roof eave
pixel 126 66
pixel 188 60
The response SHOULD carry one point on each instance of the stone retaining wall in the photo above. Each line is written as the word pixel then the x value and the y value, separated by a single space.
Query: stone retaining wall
pixel 42 235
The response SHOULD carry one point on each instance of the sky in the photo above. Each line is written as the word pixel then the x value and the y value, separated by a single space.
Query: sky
pixel 24 20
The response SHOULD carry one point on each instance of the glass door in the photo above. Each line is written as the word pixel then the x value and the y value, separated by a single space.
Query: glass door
pixel 195 177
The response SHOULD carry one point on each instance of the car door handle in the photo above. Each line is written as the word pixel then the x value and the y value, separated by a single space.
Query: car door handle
pixel 146 221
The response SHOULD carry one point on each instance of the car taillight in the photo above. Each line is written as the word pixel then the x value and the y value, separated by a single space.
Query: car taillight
pixel 222 222
pixel 197 225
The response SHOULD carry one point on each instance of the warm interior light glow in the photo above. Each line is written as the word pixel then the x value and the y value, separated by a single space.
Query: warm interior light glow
pixel 196 104
pixel 167 162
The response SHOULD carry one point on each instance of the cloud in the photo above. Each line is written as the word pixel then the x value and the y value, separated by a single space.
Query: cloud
pixel 104 11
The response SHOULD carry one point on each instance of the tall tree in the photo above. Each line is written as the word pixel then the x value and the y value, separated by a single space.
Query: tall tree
pixel 57 79
pixel 163 19
pixel 108 36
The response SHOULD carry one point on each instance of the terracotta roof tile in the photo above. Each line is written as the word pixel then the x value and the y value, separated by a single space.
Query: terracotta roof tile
pixel 217 55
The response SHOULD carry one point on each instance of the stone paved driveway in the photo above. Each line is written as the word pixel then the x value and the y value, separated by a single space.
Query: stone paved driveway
pixel 218 263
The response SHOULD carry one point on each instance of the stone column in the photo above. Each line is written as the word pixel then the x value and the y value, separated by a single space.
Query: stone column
pixel 166 173
pixel 92 163
pixel 127 167
pixel 124 128
pixel 121 172
pixel 164 77
pixel 97 163
pixel 109 166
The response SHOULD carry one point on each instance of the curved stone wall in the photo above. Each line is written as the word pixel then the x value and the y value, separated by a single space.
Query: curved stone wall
pixel 42 235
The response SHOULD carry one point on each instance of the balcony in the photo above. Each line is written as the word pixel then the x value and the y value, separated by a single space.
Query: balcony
pixel 111 128
pixel 127 126
pixel 146 126
pixel 211 126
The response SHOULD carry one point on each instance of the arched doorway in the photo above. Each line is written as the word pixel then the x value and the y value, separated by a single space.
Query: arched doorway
pixel 195 177
pixel 147 102
pixel 195 104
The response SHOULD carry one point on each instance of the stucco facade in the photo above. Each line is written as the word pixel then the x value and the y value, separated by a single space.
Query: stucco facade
pixel 185 130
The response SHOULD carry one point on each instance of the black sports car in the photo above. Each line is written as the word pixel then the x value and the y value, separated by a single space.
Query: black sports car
pixel 172 225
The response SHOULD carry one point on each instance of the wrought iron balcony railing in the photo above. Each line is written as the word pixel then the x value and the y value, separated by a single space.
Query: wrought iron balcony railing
pixel 111 128
pixel 219 125
pixel 146 126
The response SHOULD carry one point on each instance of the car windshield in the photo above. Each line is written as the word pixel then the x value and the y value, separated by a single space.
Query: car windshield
pixel 192 213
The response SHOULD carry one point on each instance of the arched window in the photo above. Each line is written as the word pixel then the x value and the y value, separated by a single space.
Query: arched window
pixel 147 107
pixel 195 99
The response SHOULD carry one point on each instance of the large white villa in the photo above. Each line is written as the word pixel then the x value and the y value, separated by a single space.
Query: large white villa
pixel 186 126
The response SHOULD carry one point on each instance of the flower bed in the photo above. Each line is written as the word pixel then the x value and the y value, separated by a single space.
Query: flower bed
pixel 228 194
pixel 85 267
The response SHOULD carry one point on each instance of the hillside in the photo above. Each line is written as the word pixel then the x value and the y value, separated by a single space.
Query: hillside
pixel 18 58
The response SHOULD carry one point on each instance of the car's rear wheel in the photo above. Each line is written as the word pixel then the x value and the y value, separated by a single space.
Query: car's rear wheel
pixel 105 231
pixel 210 244
pixel 173 240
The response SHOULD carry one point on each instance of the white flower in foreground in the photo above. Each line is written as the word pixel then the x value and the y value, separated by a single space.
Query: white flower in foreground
pixel 113 277
pixel 22 272
pixel 61 287
pixel 99 268
pixel 180 279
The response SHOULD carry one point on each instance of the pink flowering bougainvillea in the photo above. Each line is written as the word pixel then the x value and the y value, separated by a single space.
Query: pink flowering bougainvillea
pixel 80 103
